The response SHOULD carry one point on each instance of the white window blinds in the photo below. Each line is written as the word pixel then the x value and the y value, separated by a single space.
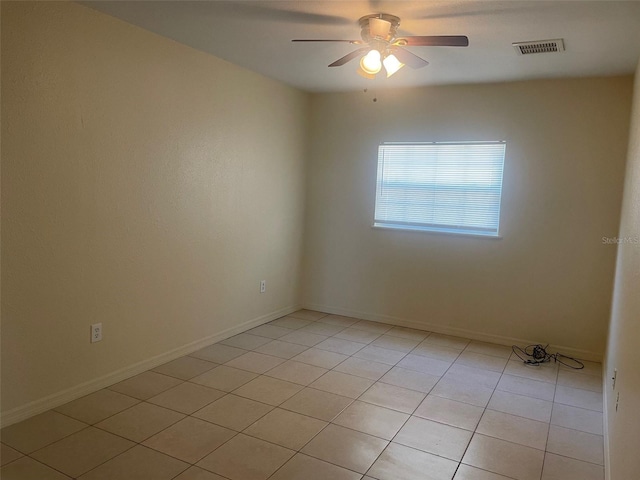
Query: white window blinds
pixel 444 187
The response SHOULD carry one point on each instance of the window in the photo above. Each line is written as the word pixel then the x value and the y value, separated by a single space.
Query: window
pixel 440 187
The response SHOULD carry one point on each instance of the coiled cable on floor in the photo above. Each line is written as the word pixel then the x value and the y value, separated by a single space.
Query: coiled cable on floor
pixel 535 355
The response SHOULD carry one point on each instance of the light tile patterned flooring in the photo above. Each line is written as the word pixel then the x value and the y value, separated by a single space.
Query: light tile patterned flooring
pixel 312 396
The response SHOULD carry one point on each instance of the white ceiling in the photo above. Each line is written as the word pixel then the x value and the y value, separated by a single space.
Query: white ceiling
pixel 601 37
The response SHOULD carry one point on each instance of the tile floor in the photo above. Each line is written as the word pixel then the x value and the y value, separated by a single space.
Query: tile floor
pixel 312 396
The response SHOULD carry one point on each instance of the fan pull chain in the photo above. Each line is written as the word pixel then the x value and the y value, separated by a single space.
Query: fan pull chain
pixel 375 98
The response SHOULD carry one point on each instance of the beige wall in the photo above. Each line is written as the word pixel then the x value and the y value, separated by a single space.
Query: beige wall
pixel 145 185
pixel 623 349
pixel 547 280
pixel 150 187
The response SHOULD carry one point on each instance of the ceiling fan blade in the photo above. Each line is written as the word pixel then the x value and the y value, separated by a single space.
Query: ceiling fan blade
pixel 348 57
pixel 434 41
pixel 354 42
pixel 461 9
pixel 409 58
pixel 273 13
pixel 312 18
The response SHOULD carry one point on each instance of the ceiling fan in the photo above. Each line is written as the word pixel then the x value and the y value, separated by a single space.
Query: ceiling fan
pixel 383 46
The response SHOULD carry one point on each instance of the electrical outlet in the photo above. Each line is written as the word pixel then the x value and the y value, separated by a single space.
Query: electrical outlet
pixel 263 286
pixel 614 378
pixel 96 332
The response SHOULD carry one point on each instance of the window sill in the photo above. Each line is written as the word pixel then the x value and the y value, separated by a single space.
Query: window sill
pixel 438 232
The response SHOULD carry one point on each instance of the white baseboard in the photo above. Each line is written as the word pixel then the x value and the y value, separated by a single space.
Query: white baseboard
pixel 60 398
pixel 459 332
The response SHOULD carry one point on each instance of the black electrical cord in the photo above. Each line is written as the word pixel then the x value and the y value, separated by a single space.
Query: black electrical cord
pixel 535 355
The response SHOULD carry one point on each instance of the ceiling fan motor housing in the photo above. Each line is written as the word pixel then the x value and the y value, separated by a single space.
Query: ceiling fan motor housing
pixel 379 27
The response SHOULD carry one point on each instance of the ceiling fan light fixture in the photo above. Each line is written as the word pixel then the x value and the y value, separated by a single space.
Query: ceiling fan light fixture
pixel 371 63
pixel 392 64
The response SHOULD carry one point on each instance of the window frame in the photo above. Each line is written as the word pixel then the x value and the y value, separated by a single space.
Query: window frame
pixel 473 232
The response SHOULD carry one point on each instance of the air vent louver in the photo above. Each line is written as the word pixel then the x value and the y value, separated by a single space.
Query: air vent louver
pixel 539 46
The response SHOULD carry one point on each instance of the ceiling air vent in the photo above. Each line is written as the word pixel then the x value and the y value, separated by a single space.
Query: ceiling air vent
pixel 539 46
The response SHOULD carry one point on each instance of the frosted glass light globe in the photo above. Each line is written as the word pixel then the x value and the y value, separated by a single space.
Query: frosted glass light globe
pixel 370 63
